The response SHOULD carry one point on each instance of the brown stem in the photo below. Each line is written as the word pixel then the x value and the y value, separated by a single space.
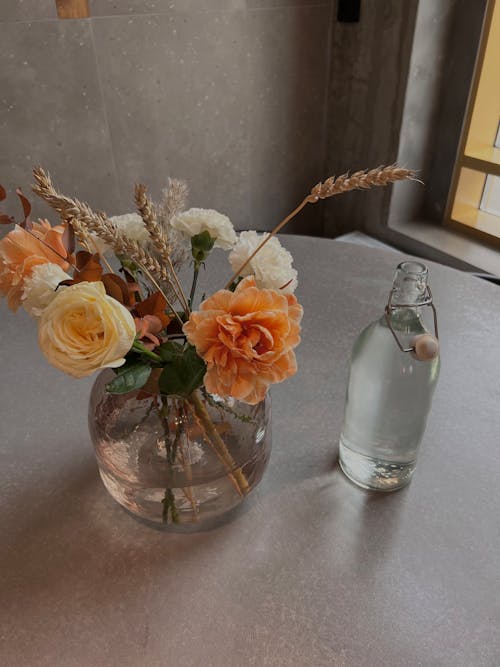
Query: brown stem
pixel 360 180
pixel 89 239
pixel 44 243
pixel 236 475
pixel 180 291
pixel 172 309
pixel 185 460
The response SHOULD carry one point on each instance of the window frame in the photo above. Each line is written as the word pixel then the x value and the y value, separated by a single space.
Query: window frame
pixel 472 165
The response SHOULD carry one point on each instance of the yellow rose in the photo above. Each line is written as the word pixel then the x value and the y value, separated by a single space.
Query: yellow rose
pixel 83 329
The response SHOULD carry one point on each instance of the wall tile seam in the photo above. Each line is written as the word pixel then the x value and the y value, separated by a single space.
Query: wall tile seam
pixel 210 10
pixel 52 19
pixel 320 3
pixel 166 12
pixel 104 109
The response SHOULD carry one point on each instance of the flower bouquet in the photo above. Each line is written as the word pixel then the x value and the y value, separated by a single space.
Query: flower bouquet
pixel 179 413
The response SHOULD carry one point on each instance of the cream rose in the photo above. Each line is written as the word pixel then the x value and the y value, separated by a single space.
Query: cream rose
pixel 39 289
pixel 198 220
pixel 83 329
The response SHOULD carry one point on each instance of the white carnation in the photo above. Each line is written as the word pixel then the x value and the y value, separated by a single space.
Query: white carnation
pixel 131 224
pixel 198 220
pixel 271 266
pixel 40 288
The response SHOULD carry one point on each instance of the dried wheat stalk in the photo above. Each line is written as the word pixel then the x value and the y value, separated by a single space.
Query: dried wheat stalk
pixel 157 233
pixel 360 180
pixel 82 217
pixel 174 201
pixel 147 213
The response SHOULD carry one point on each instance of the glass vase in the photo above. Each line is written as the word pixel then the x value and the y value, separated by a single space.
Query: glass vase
pixel 173 460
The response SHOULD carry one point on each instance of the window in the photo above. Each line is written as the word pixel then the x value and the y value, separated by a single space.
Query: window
pixel 474 203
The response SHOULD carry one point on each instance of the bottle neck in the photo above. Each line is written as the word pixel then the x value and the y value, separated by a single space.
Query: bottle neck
pixel 409 286
pixel 408 296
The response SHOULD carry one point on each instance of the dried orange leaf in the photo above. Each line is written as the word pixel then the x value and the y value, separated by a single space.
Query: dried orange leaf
pixel 68 239
pixel 89 267
pixel 154 305
pixel 116 287
pixel 26 208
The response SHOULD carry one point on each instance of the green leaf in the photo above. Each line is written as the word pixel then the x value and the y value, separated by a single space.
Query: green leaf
pixel 183 374
pixel 167 351
pixel 130 376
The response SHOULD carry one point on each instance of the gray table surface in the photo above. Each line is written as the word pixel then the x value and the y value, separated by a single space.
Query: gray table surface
pixel 312 571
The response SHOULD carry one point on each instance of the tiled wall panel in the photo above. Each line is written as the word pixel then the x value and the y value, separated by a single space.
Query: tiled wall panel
pixel 27 10
pixel 123 7
pixel 51 110
pixel 175 92
pixel 228 94
pixel 287 85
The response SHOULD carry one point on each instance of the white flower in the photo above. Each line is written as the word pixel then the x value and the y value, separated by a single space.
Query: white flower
pixel 271 266
pixel 131 224
pixel 40 288
pixel 198 220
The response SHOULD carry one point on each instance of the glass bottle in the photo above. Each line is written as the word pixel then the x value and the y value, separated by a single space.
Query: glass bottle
pixel 394 369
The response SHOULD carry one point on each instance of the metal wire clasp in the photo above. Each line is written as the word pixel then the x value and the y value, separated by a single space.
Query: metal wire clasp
pixel 390 307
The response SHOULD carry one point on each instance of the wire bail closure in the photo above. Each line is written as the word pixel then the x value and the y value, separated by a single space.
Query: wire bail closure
pixel 390 307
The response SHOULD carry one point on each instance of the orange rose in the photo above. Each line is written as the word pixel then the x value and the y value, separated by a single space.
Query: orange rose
pixel 246 338
pixel 20 253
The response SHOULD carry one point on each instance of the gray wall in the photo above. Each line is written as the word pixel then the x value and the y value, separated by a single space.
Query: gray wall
pixel 228 94
pixel 367 86
pixel 251 101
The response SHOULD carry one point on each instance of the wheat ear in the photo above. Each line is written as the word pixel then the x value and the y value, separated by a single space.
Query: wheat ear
pixel 146 211
pixel 82 217
pixel 156 232
pixel 360 180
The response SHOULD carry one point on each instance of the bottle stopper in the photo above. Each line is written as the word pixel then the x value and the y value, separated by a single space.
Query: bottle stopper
pixel 425 347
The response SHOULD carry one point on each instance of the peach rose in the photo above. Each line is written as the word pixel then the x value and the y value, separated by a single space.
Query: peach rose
pixel 246 337
pixel 83 329
pixel 20 253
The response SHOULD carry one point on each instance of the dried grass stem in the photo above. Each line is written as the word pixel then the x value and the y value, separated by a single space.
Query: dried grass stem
pixel 80 215
pixel 156 232
pixel 360 180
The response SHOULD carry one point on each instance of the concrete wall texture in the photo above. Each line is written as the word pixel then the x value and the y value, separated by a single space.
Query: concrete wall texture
pixel 227 94
pixel 251 101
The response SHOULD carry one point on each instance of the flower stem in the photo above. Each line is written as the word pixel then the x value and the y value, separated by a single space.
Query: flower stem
pixel 169 498
pixel 235 474
pixel 140 347
pixel 195 281
pixel 169 504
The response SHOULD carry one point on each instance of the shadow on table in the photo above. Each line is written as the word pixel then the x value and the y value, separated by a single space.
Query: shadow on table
pixel 76 531
pixel 367 522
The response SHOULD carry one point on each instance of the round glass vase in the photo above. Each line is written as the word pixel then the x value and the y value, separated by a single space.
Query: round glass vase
pixel 175 461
